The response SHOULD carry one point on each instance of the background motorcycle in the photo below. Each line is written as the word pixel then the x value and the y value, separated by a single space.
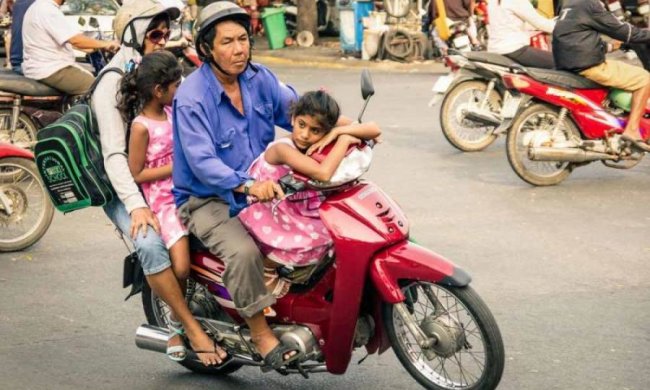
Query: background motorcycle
pixel 377 290
pixel 25 208
pixel 569 121
pixel 472 97
pixel 27 105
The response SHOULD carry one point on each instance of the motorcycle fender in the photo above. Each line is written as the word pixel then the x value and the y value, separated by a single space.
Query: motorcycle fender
pixel 409 261
pixel 9 150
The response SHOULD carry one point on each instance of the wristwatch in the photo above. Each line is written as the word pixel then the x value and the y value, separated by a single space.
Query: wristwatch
pixel 247 186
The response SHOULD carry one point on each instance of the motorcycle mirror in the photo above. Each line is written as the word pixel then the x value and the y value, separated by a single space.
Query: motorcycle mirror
pixel 81 21
pixel 93 22
pixel 367 89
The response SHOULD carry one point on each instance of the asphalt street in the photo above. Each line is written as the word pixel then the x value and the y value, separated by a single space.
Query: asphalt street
pixel 564 269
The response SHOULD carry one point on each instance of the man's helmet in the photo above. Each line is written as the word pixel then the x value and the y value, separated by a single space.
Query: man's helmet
pixel 211 15
pixel 131 20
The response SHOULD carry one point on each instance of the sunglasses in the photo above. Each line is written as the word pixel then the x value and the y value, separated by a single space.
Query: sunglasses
pixel 156 35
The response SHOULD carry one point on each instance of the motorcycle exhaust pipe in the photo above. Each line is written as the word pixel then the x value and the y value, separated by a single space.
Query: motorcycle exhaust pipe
pixel 566 155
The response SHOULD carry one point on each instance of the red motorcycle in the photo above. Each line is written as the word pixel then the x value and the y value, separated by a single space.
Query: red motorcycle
pixel 567 122
pixel 25 208
pixel 376 289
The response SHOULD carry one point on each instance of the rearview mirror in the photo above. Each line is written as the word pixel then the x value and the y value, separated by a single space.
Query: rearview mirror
pixel 367 89
pixel 93 22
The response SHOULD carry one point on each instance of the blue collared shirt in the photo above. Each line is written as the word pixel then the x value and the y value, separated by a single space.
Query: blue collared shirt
pixel 214 144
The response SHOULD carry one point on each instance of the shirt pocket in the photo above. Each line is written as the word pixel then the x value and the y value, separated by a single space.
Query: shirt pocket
pixel 265 123
pixel 224 140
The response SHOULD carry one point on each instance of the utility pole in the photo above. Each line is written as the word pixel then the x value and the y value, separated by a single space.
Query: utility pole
pixel 307 18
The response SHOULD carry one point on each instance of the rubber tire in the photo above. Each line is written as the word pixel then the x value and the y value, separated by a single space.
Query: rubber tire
pixel 448 129
pixel 495 354
pixel 198 367
pixel 30 127
pixel 46 220
pixel 511 148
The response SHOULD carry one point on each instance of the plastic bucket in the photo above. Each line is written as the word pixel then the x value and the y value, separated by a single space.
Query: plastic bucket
pixel 275 27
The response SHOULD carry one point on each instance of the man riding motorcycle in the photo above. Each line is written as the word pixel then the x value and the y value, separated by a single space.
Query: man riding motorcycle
pixel 578 48
pixel 48 39
pixel 509 36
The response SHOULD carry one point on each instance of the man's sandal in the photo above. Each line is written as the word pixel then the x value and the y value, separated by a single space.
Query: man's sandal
pixel 282 285
pixel 274 360
pixel 177 353
pixel 638 143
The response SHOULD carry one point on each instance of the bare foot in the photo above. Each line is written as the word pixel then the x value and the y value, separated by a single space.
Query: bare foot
pixel 206 349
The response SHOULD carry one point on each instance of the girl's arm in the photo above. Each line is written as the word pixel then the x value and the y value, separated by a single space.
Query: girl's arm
pixel 138 143
pixel 364 131
pixel 285 154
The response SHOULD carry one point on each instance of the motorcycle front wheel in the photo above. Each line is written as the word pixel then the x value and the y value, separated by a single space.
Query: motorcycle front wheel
pixel 462 133
pixel 158 313
pixel 468 353
pixel 25 134
pixel 25 208
pixel 539 121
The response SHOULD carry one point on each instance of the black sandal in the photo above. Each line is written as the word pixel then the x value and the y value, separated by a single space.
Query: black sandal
pixel 274 360
pixel 224 361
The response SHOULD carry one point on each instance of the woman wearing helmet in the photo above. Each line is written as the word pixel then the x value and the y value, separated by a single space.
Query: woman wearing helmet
pixel 142 27
pixel 224 117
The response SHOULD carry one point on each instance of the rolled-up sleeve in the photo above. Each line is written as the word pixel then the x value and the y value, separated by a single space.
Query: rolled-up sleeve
pixel 199 151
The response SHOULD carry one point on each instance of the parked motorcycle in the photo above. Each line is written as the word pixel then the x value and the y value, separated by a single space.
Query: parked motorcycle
pixel 326 17
pixel 568 122
pixel 25 208
pixel 27 105
pixel 376 290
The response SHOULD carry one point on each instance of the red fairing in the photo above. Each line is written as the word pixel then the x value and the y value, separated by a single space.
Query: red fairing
pixel 9 150
pixel 407 261
pixel 362 221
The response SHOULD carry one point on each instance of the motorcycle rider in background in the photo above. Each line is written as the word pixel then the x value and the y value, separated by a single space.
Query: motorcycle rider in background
pixel 509 36
pixel 6 10
pixel 16 50
pixel 48 39
pixel 578 48
pixel 457 11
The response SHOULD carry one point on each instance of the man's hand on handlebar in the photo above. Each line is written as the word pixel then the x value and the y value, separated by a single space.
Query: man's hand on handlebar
pixel 265 191
pixel 111 46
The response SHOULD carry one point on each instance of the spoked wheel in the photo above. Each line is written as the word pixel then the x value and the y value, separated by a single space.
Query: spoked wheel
pixel 463 133
pixel 201 304
pixel 25 208
pixel 468 352
pixel 536 125
pixel 25 134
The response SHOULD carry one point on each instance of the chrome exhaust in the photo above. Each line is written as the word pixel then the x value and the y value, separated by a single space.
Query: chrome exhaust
pixel 567 155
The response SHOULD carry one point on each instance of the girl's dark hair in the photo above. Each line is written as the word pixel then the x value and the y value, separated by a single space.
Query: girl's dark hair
pixel 137 86
pixel 319 105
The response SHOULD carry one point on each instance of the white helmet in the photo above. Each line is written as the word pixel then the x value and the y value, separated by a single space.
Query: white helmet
pixel 132 19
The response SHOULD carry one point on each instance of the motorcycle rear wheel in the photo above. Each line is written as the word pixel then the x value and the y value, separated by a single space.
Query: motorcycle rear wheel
pixel 538 173
pixel 464 134
pixel 157 313
pixel 22 186
pixel 25 134
pixel 462 321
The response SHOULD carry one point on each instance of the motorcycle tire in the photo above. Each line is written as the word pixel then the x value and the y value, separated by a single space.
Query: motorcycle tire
pixel 480 319
pixel 12 173
pixel 149 302
pixel 537 173
pixel 451 120
pixel 25 134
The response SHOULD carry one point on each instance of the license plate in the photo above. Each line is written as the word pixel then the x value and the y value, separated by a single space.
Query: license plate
pixel 510 106
pixel 442 84
pixel 461 42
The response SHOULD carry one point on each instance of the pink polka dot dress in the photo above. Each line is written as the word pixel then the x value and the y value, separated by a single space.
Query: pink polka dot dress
pixel 294 235
pixel 159 193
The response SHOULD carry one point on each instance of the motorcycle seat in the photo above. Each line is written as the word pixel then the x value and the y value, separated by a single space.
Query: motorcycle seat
pixel 14 83
pixel 490 58
pixel 562 78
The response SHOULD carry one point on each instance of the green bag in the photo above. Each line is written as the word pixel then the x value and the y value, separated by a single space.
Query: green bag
pixel 69 158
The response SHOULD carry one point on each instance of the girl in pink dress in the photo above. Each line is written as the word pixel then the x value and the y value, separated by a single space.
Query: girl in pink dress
pixel 147 93
pixel 294 235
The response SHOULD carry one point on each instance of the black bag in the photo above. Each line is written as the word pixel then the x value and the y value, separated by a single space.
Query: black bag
pixel 69 158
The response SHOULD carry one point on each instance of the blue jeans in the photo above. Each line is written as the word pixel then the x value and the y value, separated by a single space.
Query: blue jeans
pixel 18 69
pixel 151 249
